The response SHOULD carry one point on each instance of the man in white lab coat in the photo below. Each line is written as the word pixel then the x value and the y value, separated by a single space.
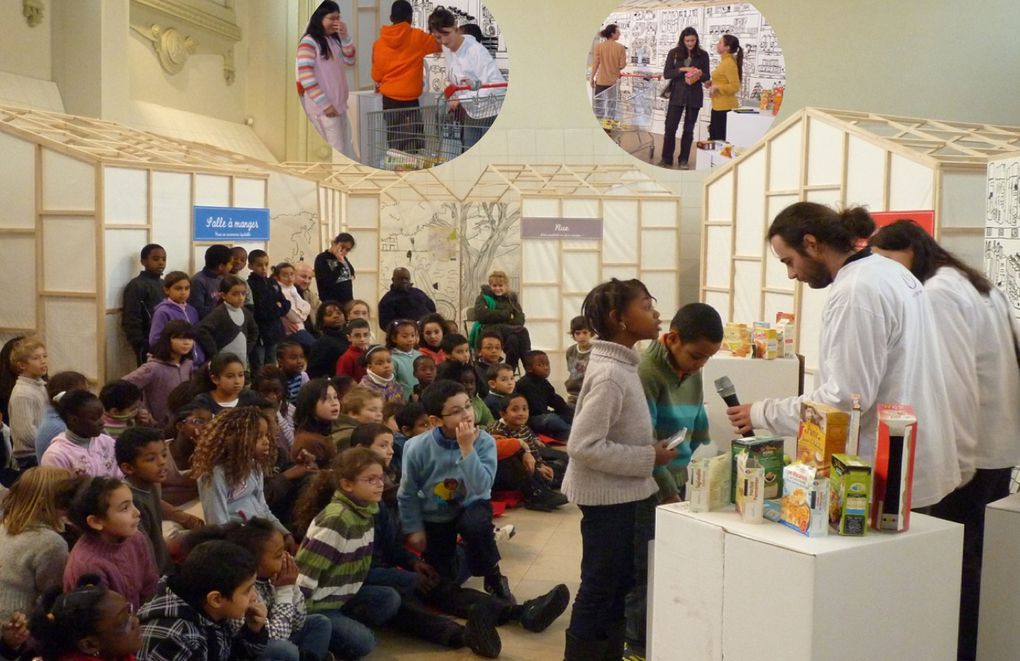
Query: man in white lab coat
pixel 878 339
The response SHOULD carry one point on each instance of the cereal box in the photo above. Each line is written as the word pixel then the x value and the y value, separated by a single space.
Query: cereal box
pixel 768 451
pixel 805 502
pixel 849 491
pixel 823 433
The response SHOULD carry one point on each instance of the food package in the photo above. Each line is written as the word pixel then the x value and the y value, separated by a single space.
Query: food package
pixel 805 502
pixel 849 489
pixel 768 453
pixel 737 339
pixel 893 482
pixel 708 486
pixel 750 488
pixel 786 324
pixel 823 433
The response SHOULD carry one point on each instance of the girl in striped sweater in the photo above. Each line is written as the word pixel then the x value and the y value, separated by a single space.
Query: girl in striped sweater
pixel 336 553
pixel 323 55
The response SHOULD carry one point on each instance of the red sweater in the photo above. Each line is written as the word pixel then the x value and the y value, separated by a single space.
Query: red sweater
pixel 127 567
pixel 350 364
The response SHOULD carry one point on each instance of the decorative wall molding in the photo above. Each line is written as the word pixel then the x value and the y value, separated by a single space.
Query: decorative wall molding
pixel 33 11
pixel 180 28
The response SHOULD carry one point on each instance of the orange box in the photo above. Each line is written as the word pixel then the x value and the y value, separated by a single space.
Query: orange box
pixel 823 432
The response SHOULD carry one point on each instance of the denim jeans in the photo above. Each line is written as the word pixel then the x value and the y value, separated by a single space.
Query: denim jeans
pixel 373 605
pixel 550 424
pixel 637 598
pixel 313 638
pixel 402 580
pixel 474 129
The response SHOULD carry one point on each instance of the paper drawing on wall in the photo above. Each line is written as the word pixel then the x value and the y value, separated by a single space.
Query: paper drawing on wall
pixel 490 241
pixel 301 229
pixel 1002 228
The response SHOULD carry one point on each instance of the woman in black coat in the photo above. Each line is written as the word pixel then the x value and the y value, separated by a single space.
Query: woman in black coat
pixel 334 273
pixel 687 67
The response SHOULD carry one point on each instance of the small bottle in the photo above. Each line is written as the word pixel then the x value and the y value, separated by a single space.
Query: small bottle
pixel 853 436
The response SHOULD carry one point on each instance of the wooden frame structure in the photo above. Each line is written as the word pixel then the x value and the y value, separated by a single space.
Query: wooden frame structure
pixel 838 157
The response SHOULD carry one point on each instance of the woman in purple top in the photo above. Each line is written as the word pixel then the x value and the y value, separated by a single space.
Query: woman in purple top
pixel 177 286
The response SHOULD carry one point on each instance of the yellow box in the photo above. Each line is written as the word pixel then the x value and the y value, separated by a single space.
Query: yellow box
pixel 823 432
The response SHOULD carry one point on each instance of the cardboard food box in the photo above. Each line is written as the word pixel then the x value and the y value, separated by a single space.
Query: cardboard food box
pixel 823 433
pixel 737 339
pixel 768 450
pixel 708 486
pixel 893 481
pixel 849 491
pixel 805 502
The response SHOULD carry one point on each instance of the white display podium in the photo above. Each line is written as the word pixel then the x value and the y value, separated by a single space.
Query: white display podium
pixel 754 379
pixel 998 634
pixel 729 590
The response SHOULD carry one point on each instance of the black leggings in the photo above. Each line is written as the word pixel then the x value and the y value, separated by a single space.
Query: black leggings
pixel 717 125
pixel 673 114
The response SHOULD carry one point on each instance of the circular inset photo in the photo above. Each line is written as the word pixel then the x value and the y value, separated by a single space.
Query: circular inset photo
pixel 686 84
pixel 435 80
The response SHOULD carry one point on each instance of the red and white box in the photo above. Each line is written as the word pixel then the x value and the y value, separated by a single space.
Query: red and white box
pixel 893 471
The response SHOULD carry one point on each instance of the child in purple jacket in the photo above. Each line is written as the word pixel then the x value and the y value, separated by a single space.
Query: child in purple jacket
pixel 169 366
pixel 177 286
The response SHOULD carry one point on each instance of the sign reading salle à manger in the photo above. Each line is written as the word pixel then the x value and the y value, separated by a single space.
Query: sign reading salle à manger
pixel 561 228
pixel 230 224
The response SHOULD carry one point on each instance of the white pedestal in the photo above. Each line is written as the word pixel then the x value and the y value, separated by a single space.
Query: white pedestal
pixel 743 592
pixel 745 129
pixel 998 634
pixel 754 379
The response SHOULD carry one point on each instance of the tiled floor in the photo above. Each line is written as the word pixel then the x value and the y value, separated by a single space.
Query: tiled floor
pixel 545 551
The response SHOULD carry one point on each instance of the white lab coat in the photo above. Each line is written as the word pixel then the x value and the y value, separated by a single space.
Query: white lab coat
pixel 878 340
pixel 472 63
pixel 982 378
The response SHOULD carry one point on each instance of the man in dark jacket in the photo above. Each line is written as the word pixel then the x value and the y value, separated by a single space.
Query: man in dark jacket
pixel 141 296
pixel 403 301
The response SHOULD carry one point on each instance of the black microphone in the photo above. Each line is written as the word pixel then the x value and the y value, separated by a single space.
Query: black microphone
pixel 725 388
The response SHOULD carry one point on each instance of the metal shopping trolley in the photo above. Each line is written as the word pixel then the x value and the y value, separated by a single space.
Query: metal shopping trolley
pixel 627 107
pixel 436 132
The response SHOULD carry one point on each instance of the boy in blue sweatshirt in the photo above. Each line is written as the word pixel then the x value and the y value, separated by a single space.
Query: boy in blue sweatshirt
pixel 453 465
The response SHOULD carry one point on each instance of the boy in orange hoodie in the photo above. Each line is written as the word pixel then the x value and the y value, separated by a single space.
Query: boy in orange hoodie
pixel 398 73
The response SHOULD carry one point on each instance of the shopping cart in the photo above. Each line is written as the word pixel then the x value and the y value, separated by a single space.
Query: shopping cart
pixel 436 132
pixel 626 107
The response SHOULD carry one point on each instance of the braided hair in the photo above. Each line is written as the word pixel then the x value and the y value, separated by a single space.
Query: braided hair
pixel 608 298
pixel 64 618
pixel 229 441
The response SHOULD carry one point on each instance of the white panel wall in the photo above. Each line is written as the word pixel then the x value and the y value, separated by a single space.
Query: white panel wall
pixel 785 160
pixel 249 193
pixel 212 190
pixel 911 184
pixel 122 249
pixel 171 219
pixel 17 172
pixel 17 254
pixel 865 181
pixel 71 335
pixel 125 196
pixel 68 184
pixel 70 256
pixel 825 154
pixel 750 218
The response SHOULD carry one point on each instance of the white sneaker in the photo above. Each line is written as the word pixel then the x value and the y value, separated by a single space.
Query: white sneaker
pixel 505 533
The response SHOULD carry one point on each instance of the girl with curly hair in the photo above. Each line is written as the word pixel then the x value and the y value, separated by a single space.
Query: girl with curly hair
pixel 232 457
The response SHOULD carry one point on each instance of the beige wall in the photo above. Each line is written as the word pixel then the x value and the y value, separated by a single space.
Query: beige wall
pixel 24 50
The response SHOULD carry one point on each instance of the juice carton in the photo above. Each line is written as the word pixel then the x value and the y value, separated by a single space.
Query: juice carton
pixel 849 489
pixel 768 453
pixel 894 467
pixel 708 487
pixel 786 323
pixel 805 502
pixel 823 433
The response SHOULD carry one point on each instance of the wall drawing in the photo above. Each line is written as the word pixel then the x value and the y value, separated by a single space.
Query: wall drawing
pixel 1002 228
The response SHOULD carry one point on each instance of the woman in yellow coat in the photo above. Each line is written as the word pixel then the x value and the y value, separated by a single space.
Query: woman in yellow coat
pixel 724 84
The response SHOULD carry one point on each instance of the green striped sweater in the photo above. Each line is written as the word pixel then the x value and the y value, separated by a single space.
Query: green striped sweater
pixel 336 554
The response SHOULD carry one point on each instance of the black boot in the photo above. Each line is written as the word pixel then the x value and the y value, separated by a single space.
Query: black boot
pixel 498 586
pixel 617 635
pixel 537 614
pixel 541 498
pixel 480 633
pixel 584 650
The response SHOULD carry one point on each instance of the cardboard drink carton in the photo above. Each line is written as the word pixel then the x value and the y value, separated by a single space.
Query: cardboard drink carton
pixel 823 433
pixel 893 483
pixel 768 452
pixel 849 491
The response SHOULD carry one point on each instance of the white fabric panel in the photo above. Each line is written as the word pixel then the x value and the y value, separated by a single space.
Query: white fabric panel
pixel 69 257
pixel 17 194
pixel 540 207
pixel 910 185
pixel 365 256
pixel 125 196
pixel 540 301
pixel 865 177
pixel 747 292
pixel 580 271
pixel 545 335
pixel 67 183
pixel 660 213
pixel 825 153
pixel 121 251
pixel 785 159
pixel 17 254
pixel 963 199
pixel 171 218
pixel 570 245
pixel 812 301
pixel 717 256
pixel 777 303
pixel 249 193
pixel 663 286
pixel 212 190
pixel 580 208
pixel 620 229
pixel 120 358
pixel 721 303
pixel 828 197
pixel 659 249
pixel 362 212
pixel 366 287
pixel 777 203
pixel 720 198
pixel 775 272
pixel 540 261
pixel 619 272
pixel 71 335
pixel 750 226
pixel 969 248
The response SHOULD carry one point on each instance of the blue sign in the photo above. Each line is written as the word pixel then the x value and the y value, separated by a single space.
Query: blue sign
pixel 230 224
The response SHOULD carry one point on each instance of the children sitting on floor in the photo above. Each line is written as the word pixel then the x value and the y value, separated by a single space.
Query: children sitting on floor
pixel 222 384
pixel 577 356
pixel 290 357
pixel 489 350
pixel 424 374
pixel 89 621
pixel 500 378
pixel 332 341
pixel 122 401
pixel 467 376
pixel 542 397
pixel 522 468
pixel 28 399
pixel 431 330
pixel 350 363
pixel 411 421
pixel 59 385
pixel 83 448
pixel 169 365
pixel 379 376
pixel 359 405
pixel 401 339
pixel 318 408
pixel 498 309
pixel 513 422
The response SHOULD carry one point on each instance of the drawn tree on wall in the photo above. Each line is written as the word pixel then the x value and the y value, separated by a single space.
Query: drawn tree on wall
pixel 489 232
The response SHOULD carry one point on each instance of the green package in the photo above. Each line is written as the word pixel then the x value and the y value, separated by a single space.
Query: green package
pixel 849 493
pixel 768 451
